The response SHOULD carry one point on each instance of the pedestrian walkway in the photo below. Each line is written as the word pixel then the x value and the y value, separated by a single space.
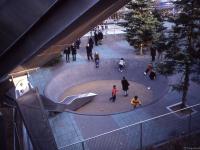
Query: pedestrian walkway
pixel 66 78
pixel 110 54
pixel 113 29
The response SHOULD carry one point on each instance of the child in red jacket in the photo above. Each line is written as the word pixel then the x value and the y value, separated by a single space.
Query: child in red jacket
pixel 114 93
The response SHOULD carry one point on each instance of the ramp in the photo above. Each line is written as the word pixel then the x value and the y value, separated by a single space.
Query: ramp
pixel 77 101
pixel 51 106
pixel 35 108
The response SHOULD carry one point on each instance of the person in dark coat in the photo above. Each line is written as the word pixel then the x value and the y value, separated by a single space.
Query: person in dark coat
pixel 78 42
pixel 96 38
pixel 91 43
pixel 89 52
pixel 67 53
pixel 100 37
pixel 153 53
pixel 73 49
pixel 152 75
pixel 125 85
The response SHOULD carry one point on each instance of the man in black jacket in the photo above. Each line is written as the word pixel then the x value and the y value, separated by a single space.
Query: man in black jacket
pixel 96 38
pixel 91 43
pixel 73 49
pixel 89 51
pixel 153 53
pixel 125 86
pixel 67 53
pixel 100 37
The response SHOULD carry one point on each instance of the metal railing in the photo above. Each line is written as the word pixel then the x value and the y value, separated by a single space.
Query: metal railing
pixel 144 133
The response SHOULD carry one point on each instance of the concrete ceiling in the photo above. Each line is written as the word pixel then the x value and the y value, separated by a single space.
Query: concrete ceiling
pixel 34 29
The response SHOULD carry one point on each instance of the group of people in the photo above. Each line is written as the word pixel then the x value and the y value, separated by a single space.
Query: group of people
pixel 72 49
pixel 97 34
pixel 103 26
pixel 98 37
pixel 125 86
pixel 89 48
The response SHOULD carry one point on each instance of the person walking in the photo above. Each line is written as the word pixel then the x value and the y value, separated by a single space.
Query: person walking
pixel 153 54
pixel 89 52
pixel 96 38
pixel 78 42
pixel 67 53
pixel 91 43
pixel 121 64
pixel 114 94
pixel 125 85
pixel 73 49
pixel 102 27
pixel 100 37
pixel 135 102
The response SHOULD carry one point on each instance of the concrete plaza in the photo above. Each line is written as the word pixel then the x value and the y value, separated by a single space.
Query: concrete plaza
pixel 67 79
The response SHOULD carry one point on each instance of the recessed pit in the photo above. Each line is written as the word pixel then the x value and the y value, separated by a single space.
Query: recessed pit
pixel 101 104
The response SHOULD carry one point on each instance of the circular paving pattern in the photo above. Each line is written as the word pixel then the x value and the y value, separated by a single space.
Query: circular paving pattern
pixel 101 104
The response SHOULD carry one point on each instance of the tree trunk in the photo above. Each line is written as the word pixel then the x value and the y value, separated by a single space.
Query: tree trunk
pixel 187 66
pixel 185 85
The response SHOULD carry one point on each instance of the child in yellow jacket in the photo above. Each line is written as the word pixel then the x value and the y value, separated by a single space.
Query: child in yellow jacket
pixel 135 101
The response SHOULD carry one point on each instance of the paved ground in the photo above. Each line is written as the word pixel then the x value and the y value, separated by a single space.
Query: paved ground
pixel 65 78
pixel 102 105
pixel 84 77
